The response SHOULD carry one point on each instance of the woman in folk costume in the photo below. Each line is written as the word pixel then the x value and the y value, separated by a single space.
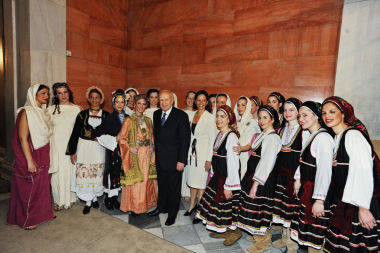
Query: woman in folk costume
pixel 355 189
pixel 139 192
pixel 246 128
pixel 284 203
pixel 258 183
pixel 221 99
pixel 276 100
pixel 86 153
pixel 153 105
pixel 30 203
pixel 311 216
pixel 200 152
pixel 190 102
pixel 212 101
pixel 63 114
pixel 219 206
pixel 132 92
pixel 108 136
pixel 256 105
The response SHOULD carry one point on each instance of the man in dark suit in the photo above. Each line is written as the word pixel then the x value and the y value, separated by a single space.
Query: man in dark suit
pixel 172 142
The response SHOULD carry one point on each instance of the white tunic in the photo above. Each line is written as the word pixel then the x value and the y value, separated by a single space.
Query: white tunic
pixel 270 147
pixel 322 148
pixel 61 166
pixel 359 185
pixel 149 113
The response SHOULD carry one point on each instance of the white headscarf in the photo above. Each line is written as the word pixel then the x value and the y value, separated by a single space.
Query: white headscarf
pixel 245 121
pixel 228 102
pixel 39 121
pixel 129 89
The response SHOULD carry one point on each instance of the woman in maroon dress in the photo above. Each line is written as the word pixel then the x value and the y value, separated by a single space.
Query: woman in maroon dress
pixel 30 203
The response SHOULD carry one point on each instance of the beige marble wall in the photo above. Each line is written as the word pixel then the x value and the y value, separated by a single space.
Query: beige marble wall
pixel 35 52
pixel 358 74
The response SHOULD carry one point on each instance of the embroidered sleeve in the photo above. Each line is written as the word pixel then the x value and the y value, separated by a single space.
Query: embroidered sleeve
pixel 125 151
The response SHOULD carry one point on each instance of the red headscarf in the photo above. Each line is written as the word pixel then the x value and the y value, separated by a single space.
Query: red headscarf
pixel 232 118
pixel 348 111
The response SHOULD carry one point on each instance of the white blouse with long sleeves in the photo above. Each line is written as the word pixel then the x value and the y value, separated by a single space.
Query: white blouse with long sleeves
pixel 359 185
pixel 322 148
pixel 270 147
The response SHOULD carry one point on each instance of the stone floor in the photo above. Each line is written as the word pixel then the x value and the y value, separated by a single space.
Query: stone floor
pixel 183 233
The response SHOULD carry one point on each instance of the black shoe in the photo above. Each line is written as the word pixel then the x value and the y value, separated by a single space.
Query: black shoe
pixel 155 212
pixel 108 204
pixel 189 213
pixel 134 215
pixel 115 202
pixel 95 204
pixel 86 210
pixel 196 221
pixel 170 221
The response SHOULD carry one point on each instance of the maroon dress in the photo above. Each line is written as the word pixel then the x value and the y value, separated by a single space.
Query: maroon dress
pixel 30 202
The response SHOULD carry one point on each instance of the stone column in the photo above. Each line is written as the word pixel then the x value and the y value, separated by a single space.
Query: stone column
pixel 35 52
pixel 358 75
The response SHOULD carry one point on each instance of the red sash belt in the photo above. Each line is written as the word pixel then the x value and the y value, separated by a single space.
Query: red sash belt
pixel 219 196
pixel 307 200
pixel 250 178
pixel 290 174
pixel 344 212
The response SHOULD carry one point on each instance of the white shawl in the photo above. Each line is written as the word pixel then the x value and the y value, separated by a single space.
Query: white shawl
pixel 39 121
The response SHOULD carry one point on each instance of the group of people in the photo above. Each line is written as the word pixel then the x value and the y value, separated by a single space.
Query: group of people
pixel 305 167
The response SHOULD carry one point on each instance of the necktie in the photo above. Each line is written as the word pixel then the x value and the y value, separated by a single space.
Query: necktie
pixel 163 119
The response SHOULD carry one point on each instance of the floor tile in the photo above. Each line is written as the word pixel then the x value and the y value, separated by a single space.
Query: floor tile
pixel 218 247
pixel 124 217
pixel 155 231
pixel 104 209
pixel 181 235
pixel 196 248
pixel 180 220
pixel 204 234
pixel 144 221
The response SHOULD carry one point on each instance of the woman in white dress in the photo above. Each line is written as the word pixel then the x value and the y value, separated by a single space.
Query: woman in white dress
pixel 152 96
pixel 201 149
pixel 63 113
pixel 86 153
pixel 256 105
pixel 246 128
pixel 132 92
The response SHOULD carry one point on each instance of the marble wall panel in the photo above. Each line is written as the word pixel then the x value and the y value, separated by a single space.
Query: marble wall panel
pixel 48 26
pixel 282 44
pixel 193 52
pixel 262 73
pixel 134 77
pixel 249 47
pixel 178 10
pixel 171 55
pixel 318 12
pixel 59 2
pixel 219 50
pixel 315 71
pixel 119 13
pixel 108 34
pixel 134 39
pixel 144 58
pixel 118 77
pixel 163 35
pixel 118 57
pixel 77 22
pixel 317 94
pixel 206 75
pixel 222 6
pixel 161 77
pixel 99 73
pixel 208 27
pixel 148 3
pixel 77 70
pixel 135 4
pixel 99 9
pixel 275 16
pixel 145 17
pixel 319 40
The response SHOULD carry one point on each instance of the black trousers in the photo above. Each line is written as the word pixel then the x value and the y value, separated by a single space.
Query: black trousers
pixel 169 191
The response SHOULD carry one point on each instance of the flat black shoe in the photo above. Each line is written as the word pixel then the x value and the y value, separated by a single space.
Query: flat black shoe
pixel 86 210
pixel 108 204
pixel 189 213
pixel 196 221
pixel 170 221
pixel 134 215
pixel 95 204
pixel 115 202
pixel 155 212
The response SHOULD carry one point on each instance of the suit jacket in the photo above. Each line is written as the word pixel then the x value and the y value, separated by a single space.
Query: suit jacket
pixel 172 140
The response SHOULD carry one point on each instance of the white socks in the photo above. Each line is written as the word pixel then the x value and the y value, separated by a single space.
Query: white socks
pixel 88 203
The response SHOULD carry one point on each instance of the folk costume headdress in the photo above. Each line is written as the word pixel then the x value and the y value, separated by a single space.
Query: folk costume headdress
pixel 39 121
pixel 244 121
pixel 273 114
pixel 57 86
pixel 257 101
pixel 95 88
pixel 232 118
pixel 349 116
pixel 141 96
pixel 294 101
pixel 119 94
pixel 129 89
pixel 228 102
pixel 281 99
pixel 314 107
